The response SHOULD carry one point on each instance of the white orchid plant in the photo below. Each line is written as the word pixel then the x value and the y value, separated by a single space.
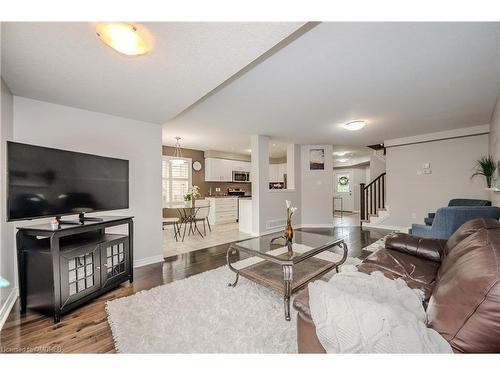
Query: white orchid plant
pixel 193 193
pixel 290 210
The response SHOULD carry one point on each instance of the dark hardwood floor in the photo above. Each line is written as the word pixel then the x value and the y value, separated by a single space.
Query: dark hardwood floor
pixel 86 329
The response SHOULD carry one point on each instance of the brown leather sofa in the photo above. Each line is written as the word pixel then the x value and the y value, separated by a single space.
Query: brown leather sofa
pixel 459 277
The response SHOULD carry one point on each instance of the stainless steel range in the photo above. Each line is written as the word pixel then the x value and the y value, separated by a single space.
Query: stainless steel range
pixel 236 192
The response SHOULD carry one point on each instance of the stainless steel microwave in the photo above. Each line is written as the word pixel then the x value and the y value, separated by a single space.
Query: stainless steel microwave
pixel 239 176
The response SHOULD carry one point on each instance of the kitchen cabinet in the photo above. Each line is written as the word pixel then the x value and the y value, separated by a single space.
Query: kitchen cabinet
pixel 221 170
pixel 223 210
pixel 245 215
pixel 218 170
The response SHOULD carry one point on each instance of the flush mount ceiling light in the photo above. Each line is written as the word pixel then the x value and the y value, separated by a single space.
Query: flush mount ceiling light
pixel 177 157
pixel 123 37
pixel 354 125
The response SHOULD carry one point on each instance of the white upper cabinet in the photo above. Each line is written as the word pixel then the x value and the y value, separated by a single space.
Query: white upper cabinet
pixel 240 166
pixel 222 169
pixel 218 170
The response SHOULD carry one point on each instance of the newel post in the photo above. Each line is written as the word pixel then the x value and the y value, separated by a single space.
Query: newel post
pixel 362 202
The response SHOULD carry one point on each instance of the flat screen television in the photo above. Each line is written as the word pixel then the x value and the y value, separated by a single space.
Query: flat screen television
pixel 45 182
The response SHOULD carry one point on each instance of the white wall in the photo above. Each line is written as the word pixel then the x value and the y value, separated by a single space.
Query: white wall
pixel 317 189
pixel 312 192
pixel 410 196
pixel 52 125
pixel 377 166
pixel 8 263
pixel 495 147
pixel 269 206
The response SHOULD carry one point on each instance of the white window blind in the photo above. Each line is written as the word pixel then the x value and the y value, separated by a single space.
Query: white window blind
pixel 176 180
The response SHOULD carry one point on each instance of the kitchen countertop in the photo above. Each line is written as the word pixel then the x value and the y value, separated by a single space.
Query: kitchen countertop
pixel 226 196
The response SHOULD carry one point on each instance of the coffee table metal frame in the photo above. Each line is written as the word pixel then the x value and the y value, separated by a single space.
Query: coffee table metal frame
pixel 287 266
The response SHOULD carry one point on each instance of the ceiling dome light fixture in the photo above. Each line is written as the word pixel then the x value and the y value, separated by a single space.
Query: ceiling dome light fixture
pixel 123 37
pixel 354 125
pixel 177 157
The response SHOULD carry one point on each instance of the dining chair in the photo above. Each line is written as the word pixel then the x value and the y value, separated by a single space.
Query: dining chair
pixel 202 214
pixel 174 221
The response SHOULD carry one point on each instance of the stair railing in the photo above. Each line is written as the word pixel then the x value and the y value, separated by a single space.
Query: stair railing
pixel 372 197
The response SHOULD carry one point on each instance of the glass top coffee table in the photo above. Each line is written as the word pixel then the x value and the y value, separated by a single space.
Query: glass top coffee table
pixel 286 269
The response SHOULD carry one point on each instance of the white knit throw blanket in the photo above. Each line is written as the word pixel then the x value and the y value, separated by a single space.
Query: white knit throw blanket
pixel 359 313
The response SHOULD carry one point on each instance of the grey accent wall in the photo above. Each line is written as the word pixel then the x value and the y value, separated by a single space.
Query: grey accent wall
pixel 411 194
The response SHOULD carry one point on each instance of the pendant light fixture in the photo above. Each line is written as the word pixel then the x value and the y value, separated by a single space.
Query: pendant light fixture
pixel 177 157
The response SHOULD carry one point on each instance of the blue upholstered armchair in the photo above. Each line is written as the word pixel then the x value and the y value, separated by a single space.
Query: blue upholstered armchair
pixel 448 219
pixel 459 202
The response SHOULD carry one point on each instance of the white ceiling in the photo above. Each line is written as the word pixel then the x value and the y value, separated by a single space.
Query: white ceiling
pixel 65 63
pixel 351 151
pixel 401 78
pixel 404 79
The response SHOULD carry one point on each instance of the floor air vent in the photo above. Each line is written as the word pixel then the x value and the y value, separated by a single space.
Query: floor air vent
pixel 278 223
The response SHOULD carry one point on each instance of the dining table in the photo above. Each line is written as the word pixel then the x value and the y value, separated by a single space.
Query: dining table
pixel 187 215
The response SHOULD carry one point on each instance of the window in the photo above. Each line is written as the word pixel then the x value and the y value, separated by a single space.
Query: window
pixel 176 180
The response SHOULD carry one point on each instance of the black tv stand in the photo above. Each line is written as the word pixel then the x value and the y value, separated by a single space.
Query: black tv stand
pixel 64 268
pixel 81 220
pixel 66 222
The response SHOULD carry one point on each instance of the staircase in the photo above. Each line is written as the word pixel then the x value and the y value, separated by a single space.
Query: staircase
pixel 372 199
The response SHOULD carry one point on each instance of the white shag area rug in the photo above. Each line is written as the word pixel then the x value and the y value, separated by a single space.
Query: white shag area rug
pixel 201 314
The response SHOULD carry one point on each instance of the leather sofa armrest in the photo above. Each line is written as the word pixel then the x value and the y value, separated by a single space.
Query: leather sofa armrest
pixel 426 248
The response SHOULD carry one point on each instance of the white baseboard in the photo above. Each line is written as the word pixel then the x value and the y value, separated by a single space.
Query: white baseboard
pixel 396 228
pixel 148 260
pixel 317 225
pixel 270 231
pixel 7 307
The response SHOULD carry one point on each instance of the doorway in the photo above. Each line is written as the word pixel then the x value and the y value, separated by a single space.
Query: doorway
pixel 343 187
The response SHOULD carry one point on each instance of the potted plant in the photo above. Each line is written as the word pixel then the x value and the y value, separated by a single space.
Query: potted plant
pixel 193 194
pixel 485 166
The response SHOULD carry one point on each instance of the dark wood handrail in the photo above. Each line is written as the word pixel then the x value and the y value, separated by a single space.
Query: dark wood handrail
pixel 377 179
pixel 372 197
